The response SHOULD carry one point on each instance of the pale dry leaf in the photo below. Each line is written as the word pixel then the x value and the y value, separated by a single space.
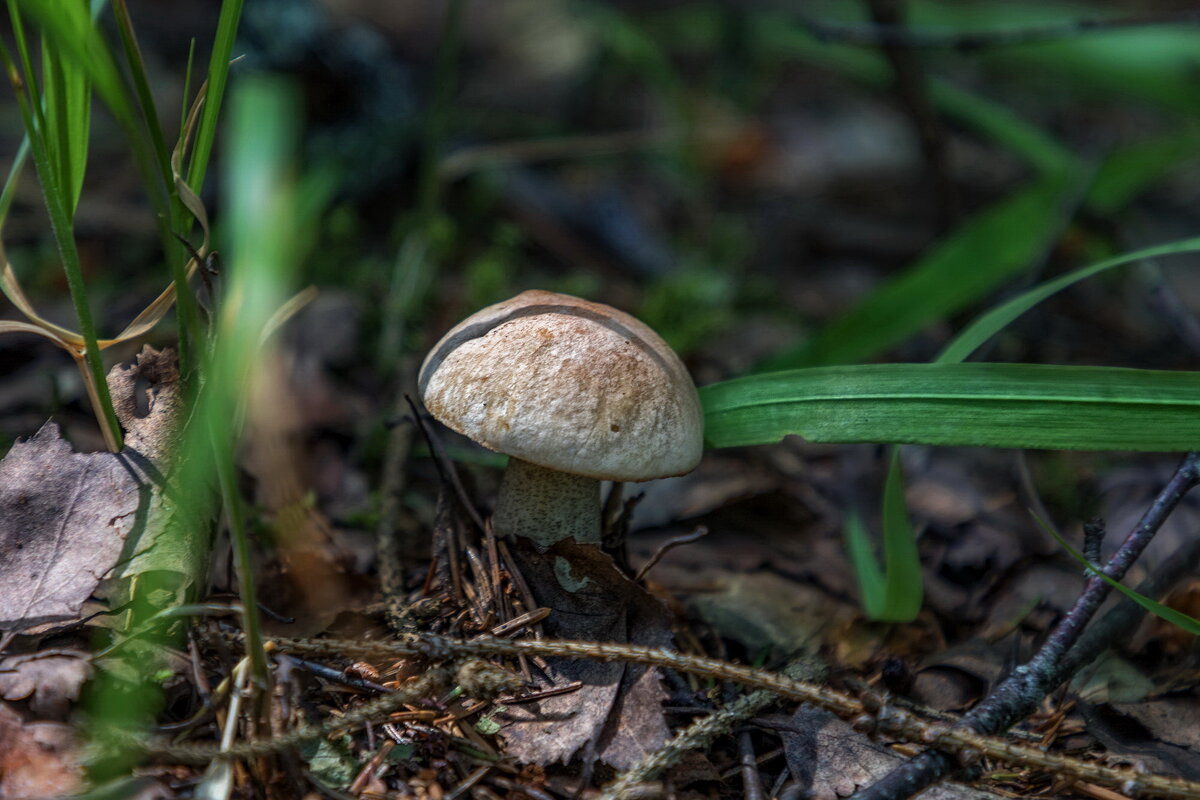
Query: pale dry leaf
pixel 148 402
pixel 67 518
pixel 64 519
pixel 49 682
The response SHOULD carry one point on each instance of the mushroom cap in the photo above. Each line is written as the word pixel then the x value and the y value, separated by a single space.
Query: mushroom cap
pixel 569 385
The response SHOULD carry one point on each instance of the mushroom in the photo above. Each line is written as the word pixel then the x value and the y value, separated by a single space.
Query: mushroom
pixel 575 393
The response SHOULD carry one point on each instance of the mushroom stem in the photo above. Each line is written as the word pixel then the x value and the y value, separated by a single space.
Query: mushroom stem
pixel 547 506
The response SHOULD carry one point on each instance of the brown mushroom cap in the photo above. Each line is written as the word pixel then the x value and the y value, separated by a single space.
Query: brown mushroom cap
pixel 569 385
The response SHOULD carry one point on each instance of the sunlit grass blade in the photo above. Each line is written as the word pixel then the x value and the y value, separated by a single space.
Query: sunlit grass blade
pixel 60 207
pixel 1177 618
pixel 995 320
pixel 69 29
pixel 259 196
pixel 67 102
pixel 972 261
pixel 218 75
pixel 988 405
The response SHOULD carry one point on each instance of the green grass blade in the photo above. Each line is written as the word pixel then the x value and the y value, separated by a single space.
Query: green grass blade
pixel 14 177
pixel 992 322
pixel 1002 125
pixel 260 199
pixel 781 37
pixel 972 261
pixel 1177 618
pixel 145 98
pixel 58 206
pixel 218 75
pixel 70 31
pixel 903 582
pixel 988 405
pixel 67 101
pixel 871 580
pixel 894 593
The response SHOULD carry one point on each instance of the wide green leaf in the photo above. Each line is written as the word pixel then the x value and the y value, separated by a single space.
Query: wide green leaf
pixel 989 405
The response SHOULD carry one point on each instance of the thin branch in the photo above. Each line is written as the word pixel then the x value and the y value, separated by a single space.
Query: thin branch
pixel 912 91
pixel 1020 694
pixel 963 743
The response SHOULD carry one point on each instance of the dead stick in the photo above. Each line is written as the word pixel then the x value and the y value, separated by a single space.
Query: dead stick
pixel 1021 692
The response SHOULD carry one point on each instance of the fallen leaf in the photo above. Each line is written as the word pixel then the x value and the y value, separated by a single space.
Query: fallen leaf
pixel 616 715
pixel 762 610
pixel 64 519
pixel 49 682
pixel 67 518
pixel 831 760
pixel 37 759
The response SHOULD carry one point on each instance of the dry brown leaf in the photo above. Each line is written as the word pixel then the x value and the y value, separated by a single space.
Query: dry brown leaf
pixel 831 760
pixel 616 716
pixel 37 759
pixel 65 517
pixel 50 682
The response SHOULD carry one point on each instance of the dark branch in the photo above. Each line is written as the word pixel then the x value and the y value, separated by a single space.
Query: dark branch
pixel 911 89
pixel 1021 692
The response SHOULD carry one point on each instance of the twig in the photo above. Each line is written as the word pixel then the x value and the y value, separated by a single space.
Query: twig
pixel 751 780
pixel 1122 618
pixel 424 686
pixel 1019 695
pixel 669 545
pixel 1165 301
pixel 894 721
pixel 876 35
pixel 444 464
pixel 387 544
pixel 911 88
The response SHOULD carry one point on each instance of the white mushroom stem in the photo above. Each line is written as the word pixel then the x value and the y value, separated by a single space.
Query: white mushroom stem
pixel 547 506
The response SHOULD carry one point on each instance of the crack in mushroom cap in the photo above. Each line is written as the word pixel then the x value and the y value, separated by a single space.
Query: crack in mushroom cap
pixel 569 385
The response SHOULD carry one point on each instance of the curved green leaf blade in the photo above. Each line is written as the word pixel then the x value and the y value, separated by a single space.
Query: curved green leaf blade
pixel 989 405
pixel 972 261
pixel 992 322
pixel 871 581
pixel 1177 618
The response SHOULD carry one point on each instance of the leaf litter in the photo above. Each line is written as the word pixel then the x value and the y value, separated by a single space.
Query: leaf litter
pixel 66 518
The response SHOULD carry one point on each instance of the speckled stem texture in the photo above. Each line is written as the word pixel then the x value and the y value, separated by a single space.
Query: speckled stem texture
pixel 547 506
pixel 1020 694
